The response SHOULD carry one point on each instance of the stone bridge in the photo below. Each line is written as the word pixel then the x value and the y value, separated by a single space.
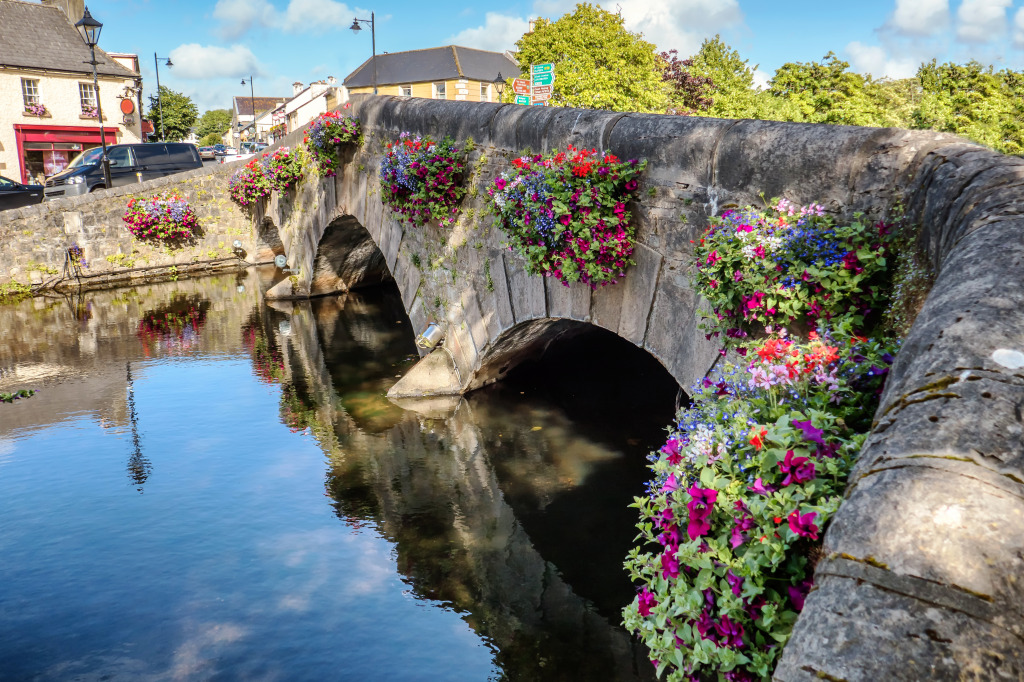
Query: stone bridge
pixel 920 578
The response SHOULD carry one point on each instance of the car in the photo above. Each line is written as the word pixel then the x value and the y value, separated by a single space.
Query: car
pixel 14 194
pixel 129 163
pixel 207 153
pixel 220 149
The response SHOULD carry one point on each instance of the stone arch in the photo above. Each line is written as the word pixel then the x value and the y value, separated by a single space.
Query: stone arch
pixel 347 257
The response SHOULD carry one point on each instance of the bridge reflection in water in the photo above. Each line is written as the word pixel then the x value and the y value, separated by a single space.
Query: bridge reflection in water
pixel 508 507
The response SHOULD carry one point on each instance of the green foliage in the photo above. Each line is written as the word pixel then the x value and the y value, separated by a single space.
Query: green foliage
pixel 12 292
pixel 210 139
pixel 179 113
pixel 213 122
pixel 598 63
pixel 17 395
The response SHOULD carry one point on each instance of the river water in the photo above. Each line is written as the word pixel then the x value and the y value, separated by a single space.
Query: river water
pixel 207 487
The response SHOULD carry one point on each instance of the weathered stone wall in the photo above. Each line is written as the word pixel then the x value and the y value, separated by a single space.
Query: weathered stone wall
pixel 34 239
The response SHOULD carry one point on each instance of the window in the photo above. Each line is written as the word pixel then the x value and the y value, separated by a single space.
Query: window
pixel 87 97
pixel 30 91
pixel 439 91
pixel 405 91
pixel 119 157
pixel 485 92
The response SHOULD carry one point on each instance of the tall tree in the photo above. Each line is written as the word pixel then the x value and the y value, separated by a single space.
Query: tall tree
pixel 214 121
pixel 733 91
pixel 689 93
pixel 179 113
pixel 825 91
pixel 598 63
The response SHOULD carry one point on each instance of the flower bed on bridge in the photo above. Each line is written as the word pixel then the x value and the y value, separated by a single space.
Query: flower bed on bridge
pixel 755 467
pixel 167 217
pixel 566 213
pixel 323 137
pixel 277 170
pixel 421 179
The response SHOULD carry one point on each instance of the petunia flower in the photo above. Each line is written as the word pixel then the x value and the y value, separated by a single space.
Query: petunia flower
pixel 645 602
pixel 803 524
pixel 810 433
pixel 797 469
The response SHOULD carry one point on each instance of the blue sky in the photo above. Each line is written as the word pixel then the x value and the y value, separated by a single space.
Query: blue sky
pixel 216 43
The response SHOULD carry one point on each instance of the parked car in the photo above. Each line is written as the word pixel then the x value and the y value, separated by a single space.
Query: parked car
pixel 128 163
pixel 207 153
pixel 252 147
pixel 14 194
pixel 221 149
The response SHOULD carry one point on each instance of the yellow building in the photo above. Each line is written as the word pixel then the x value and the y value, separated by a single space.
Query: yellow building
pixel 450 72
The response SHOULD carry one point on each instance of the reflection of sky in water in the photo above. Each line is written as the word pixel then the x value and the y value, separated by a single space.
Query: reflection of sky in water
pixel 229 563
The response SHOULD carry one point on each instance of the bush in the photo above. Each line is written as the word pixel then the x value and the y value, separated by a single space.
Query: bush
pixel 788 265
pixel 743 489
pixel 166 217
pixel 421 180
pixel 565 213
pixel 324 135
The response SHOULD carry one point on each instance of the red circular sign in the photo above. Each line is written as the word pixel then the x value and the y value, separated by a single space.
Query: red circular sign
pixel 127 106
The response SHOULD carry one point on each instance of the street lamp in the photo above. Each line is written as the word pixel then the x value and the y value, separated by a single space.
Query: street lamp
pixel 90 30
pixel 373 42
pixel 499 85
pixel 252 104
pixel 159 99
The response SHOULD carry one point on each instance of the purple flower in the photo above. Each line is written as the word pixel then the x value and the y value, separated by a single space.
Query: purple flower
pixel 730 634
pixel 701 504
pixel 706 626
pixel 671 451
pixel 760 488
pixel 735 582
pixel 810 433
pixel 798 592
pixel 803 524
pixel 645 602
pixel 669 565
pixel 797 469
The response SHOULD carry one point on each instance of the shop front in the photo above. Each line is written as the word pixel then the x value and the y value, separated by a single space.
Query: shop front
pixel 47 150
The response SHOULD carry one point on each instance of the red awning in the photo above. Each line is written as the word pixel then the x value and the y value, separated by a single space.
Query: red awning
pixel 42 133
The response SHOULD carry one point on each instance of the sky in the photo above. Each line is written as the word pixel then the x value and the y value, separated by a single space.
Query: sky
pixel 215 43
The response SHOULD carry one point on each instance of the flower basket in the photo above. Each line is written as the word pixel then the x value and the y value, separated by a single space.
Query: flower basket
pixel 566 213
pixel 323 137
pixel 39 110
pixel 166 218
pixel 421 180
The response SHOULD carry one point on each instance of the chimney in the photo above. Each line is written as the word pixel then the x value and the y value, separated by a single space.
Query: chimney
pixel 296 88
pixel 532 23
pixel 331 80
pixel 74 9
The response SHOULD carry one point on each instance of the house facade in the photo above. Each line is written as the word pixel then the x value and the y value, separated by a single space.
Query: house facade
pixel 250 115
pixel 450 72
pixel 48 102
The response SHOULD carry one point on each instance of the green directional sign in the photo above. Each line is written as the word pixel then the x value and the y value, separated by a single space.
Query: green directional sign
pixel 542 68
pixel 523 99
pixel 543 78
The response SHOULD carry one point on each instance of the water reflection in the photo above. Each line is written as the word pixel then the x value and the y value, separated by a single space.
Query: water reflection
pixel 508 511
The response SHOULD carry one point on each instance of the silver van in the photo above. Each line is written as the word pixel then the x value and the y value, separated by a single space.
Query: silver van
pixel 128 163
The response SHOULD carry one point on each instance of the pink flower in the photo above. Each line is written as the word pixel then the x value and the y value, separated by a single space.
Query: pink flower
pixel 713 257
pixel 645 602
pixel 700 506
pixel 669 565
pixel 671 450
pixel 803 524
pixel 797 469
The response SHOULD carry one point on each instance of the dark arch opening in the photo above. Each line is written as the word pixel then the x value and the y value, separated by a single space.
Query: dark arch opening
pixel 609 392
pixel 347 258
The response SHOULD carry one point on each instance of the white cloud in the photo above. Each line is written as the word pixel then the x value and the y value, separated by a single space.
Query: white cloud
pixel 679 24
pixel 920 17
pixel 874 60
pixel 318 16
pixel 981 21
pixel 499 32
pixel 194 61
pixel 238 16
pixel 1018 28
pixel 761 79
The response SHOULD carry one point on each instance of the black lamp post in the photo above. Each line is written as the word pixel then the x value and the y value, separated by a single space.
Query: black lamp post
pixel 373 42
pixel 252 104
pixel 90 30
pixel 159 98
pixel 499 85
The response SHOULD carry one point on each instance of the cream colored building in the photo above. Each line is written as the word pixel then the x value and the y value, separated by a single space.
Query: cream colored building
pixel 450 72
pixel 47 97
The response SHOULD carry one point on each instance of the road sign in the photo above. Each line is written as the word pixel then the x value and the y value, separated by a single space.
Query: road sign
pixel 542 96
pixel 543 78
pixel 543 68
pixel 541 90
pixel 521 86
pixel 539 104
pixel 523 99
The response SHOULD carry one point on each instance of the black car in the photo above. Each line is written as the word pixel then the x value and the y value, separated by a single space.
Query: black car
pixel 129 163
pixel 220 149
pixel 14 194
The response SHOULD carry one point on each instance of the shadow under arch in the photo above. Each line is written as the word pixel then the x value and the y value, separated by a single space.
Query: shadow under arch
pixel 563 343
pixel 347 258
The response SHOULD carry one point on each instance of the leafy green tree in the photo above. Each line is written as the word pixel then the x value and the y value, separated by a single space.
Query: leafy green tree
pixel 179 113
pixel 688 93
pixel 210 139
pixel 598 63
pixel 825 92
pixel 214 122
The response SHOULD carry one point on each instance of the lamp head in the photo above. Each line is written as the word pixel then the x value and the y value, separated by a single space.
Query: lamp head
pixel 89 28
pixel 169 63
pixel 499 84
pixel 356 28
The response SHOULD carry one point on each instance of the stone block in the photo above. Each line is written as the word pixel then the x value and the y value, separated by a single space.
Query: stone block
pixel 526 292
pixel 639 284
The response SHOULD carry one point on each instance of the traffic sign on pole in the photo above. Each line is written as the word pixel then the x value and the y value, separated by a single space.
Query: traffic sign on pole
pixel 521 86
pixel 523 99
pixel 542 68
pixel 543 78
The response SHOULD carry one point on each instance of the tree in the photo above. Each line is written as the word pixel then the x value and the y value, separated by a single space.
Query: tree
pixel 825 92
pixel 210 139
pixel 732 92
pixel 179 113
pixel 214 121
pixel 598 63
pixel 689 93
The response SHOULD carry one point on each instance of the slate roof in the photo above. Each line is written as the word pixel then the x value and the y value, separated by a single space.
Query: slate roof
pixel 244 105
pixel 41 37
pixel 450 62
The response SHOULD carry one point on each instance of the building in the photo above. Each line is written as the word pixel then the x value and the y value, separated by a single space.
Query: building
pixel 307 103
pixel 242 117
pixel 48 104
pixel 450 72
